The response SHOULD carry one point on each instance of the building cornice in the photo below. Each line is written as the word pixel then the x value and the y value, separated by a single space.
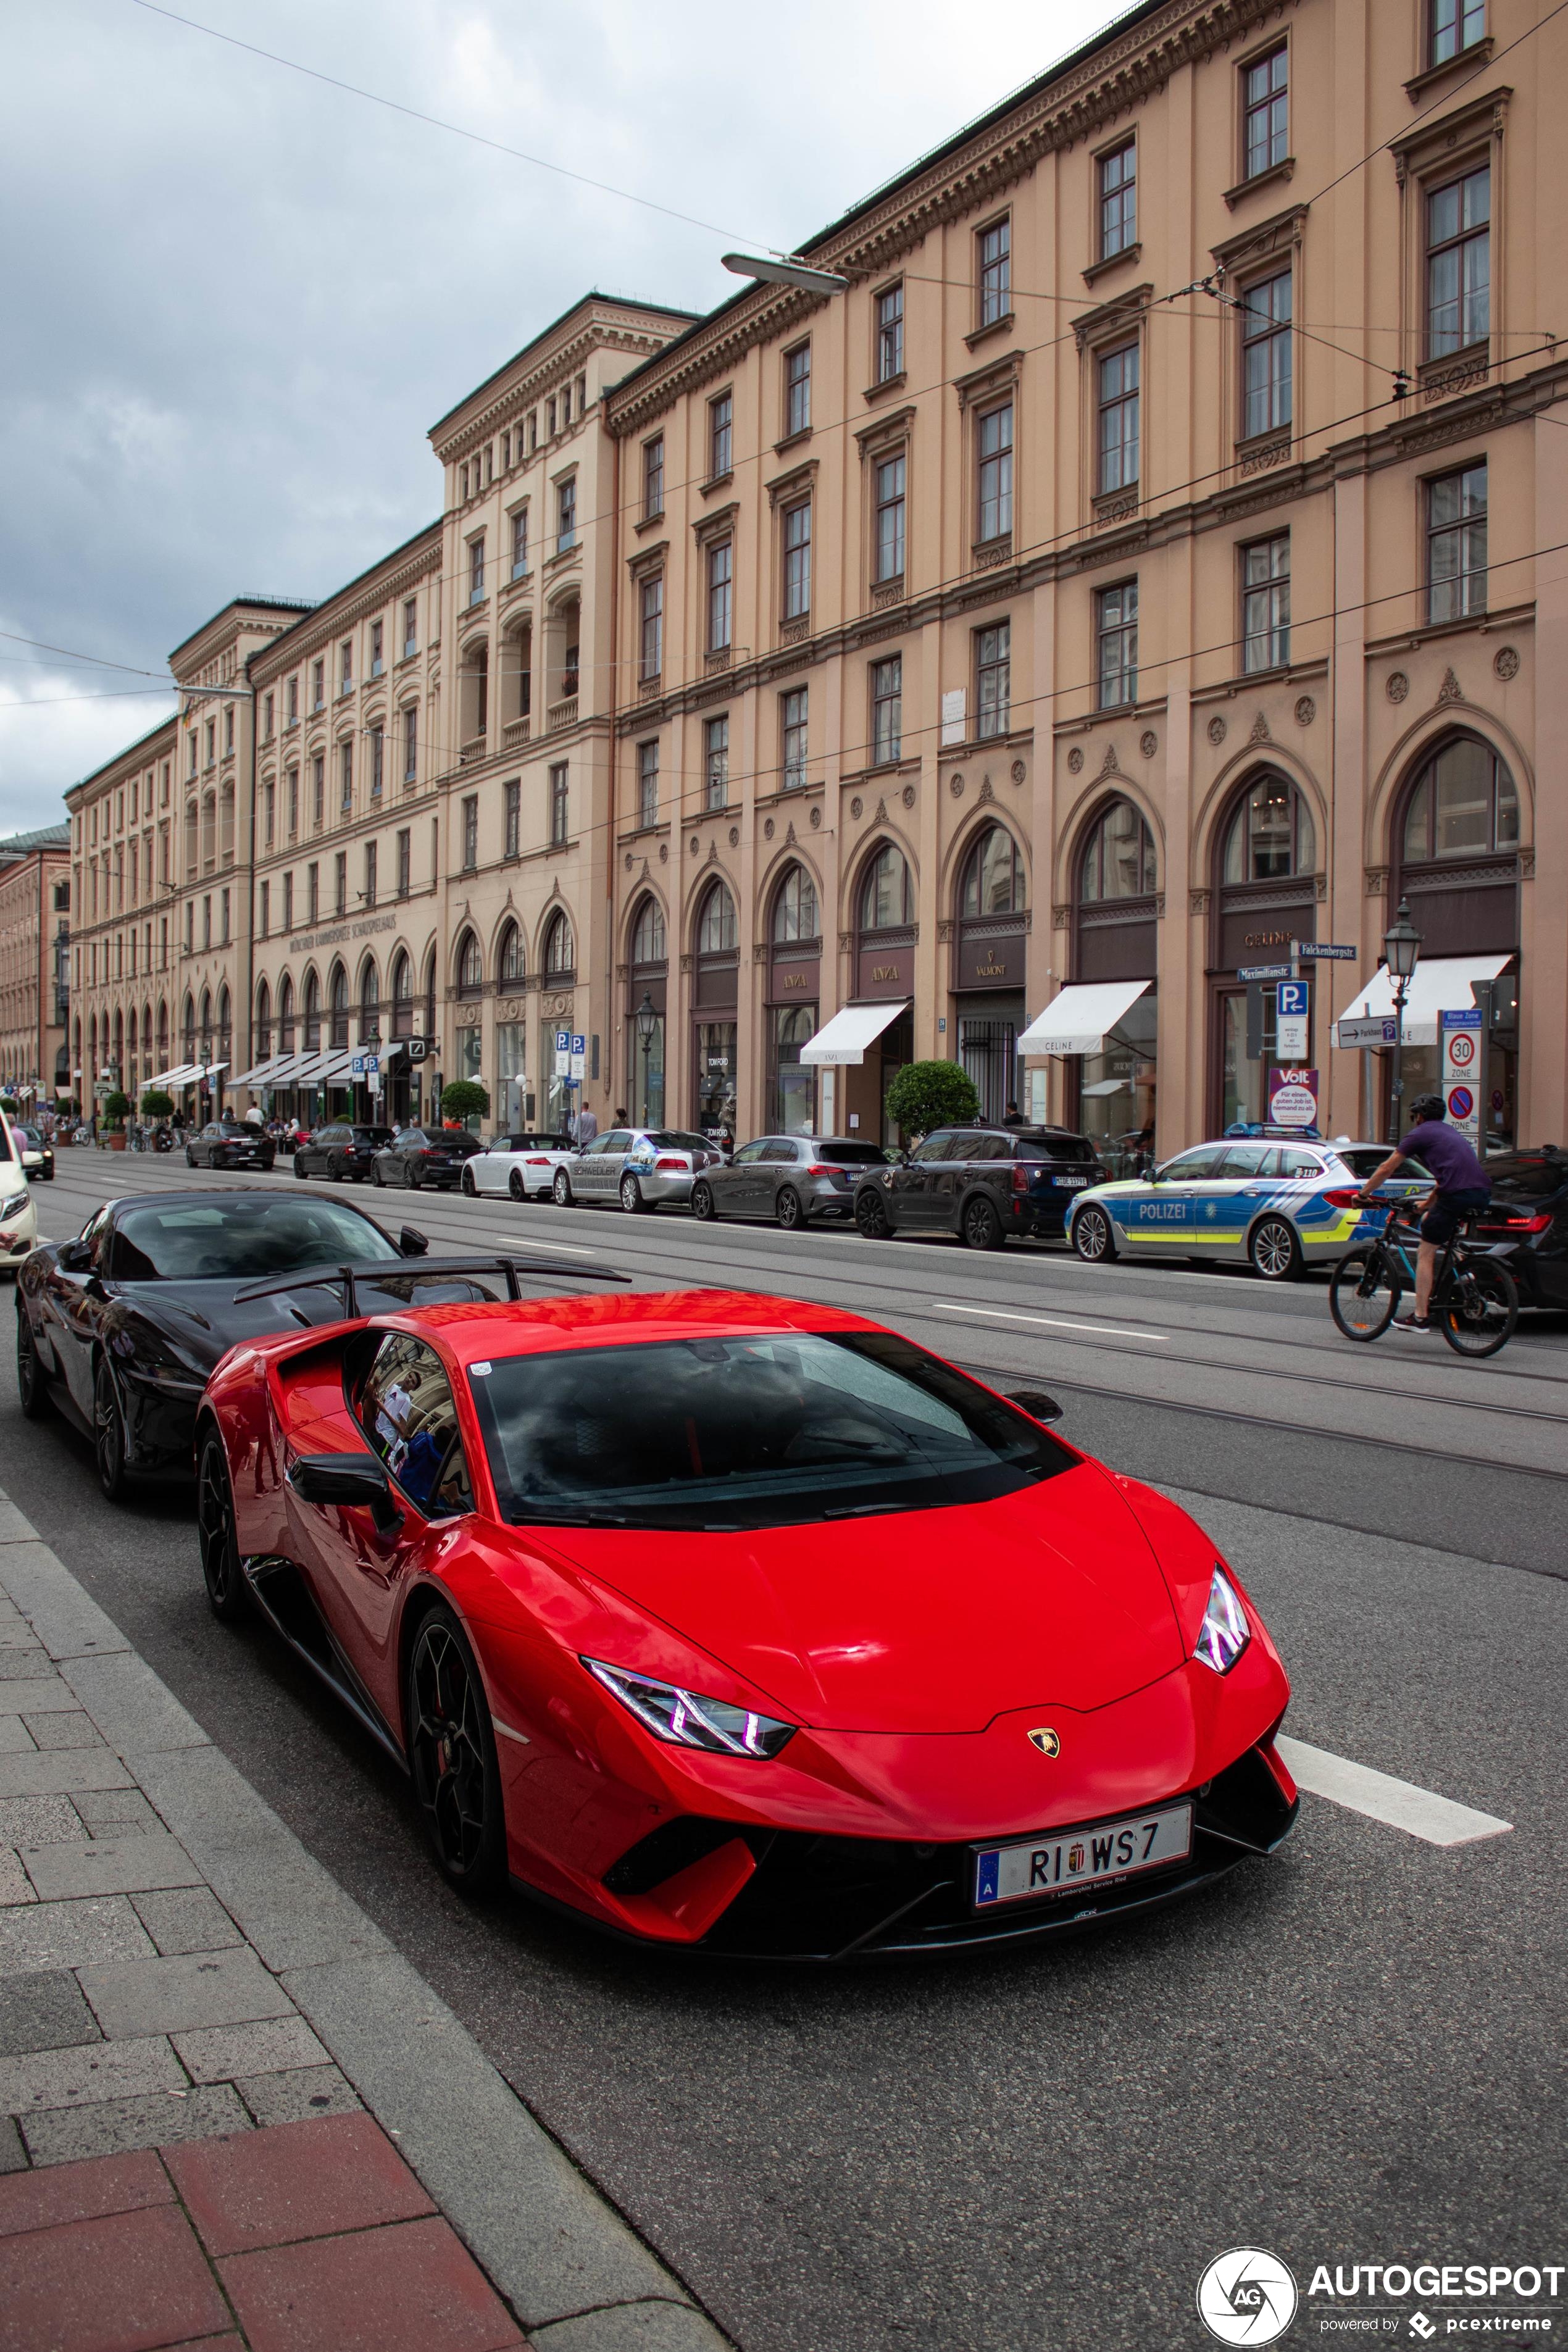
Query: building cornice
pixel 468 427
pixel 334 614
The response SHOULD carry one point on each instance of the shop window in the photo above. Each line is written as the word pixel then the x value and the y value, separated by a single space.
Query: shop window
pixel 791 1110
pixel 1464 804
pixel 887 895
pixel 1119 857
pixel 649 942
pixel 1271 834
pixel 510 961
pixel 994 877
pixel 716 929
pixel 795 913
pixel 470 966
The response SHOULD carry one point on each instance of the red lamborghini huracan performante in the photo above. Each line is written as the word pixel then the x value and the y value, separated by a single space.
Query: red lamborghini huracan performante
pixel 733 1622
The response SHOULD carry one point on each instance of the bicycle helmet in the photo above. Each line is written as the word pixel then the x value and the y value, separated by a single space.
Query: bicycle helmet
pixel 1426 1106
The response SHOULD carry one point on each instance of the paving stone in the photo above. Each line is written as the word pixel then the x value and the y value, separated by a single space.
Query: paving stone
pixel 13 1527
pixel 43 2011
pixel 135 1709
pixel 37 1820
pixel 113 1812
pixel 71 1934
pixel 220 2054
pixel 28 1665
pixel 68 1622
pixel 15 1740
pixel 110 2127
pixel 38 1694
pixel 81 2192
pixel 652 2327
pixel 62 1729
pixel 15 1886
pixel 298 2181
pixel 16 1633
pixel 58 1774
pixel 176 1995
pixel 13 2155
pixel 298 2095
pixel 186 1919
pixel 77 2078
pixel 399 2289
pixel 129 2279
pixel 106 1866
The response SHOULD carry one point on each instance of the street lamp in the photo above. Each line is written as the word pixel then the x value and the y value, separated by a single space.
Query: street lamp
pixel 785 273
pixel 1401 949
pixel 647 1021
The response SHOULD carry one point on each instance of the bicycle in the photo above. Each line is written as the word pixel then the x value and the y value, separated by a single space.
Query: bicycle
pixel 1474 1302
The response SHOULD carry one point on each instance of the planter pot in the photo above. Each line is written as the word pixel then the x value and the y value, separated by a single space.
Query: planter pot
pixel 117 1140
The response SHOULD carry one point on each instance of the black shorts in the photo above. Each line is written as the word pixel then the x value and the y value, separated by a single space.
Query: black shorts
pixel 1441 1221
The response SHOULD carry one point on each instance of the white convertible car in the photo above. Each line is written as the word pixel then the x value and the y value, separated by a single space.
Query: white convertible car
pixel 522 1166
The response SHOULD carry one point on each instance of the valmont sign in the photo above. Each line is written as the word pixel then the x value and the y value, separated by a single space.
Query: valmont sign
pixel 341 931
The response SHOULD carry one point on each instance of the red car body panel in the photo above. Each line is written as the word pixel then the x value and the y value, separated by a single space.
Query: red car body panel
pixel 915 1650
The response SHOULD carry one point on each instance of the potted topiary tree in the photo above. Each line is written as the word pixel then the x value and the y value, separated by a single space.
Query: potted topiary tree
pixel 116 1111
pixel 928 1094
pixel 463 1099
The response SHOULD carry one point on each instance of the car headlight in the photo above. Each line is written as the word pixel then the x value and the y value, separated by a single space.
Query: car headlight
pixel 15 1205
pixel 686 1719
pixel 1225 1632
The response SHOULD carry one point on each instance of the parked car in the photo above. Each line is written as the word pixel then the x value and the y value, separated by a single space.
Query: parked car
pixel 38 1153
pixel 982 1183
pixel 1281 1205
pixel 1529 1210
pixel 18 1217
pixel 341 1152
pixel 789 1180
pixel 521 1165
pixel 641 1167
pixel 421 1156
pixel 230 1143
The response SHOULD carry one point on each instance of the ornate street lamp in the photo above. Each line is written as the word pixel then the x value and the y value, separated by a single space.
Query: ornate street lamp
pixel 646 1022
pixel 1400 951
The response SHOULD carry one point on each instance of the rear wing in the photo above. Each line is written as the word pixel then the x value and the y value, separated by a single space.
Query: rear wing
pixel 377 1273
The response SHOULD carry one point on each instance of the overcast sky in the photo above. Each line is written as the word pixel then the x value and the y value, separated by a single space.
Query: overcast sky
pixel 235 301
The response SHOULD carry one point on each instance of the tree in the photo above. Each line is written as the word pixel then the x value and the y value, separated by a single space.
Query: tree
pixel 116 1107
pixel 928 1094
pixel 156 1104
pixel 10 1105
pixel 465 1098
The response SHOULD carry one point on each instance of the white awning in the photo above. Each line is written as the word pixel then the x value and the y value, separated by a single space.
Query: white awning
pixel 847 1035
pixel 1078 1019
pixel 264 1073
pixel 1437 984
pixel 181 1075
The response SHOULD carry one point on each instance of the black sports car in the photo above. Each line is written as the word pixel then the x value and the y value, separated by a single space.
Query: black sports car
pixel 121 1326
pixel 422 1156
pixel 230 1143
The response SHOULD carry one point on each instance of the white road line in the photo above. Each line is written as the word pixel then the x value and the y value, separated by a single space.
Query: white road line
pixel 567 1249
pixel 1382 1799
pixel 1057 1322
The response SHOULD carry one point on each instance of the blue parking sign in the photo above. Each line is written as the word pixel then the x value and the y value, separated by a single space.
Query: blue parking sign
pixel 1293 1000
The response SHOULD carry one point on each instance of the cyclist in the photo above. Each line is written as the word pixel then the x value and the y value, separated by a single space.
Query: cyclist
pixel 1461 1188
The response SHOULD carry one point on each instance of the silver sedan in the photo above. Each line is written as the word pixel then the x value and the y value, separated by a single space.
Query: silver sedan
pixel 636 1167
pixel 789 1180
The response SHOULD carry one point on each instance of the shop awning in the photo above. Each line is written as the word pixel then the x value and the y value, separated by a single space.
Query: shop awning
pixel 183 1074
pixel 845 1037
pixel 264 1073
pixel 1437 984
pixel 1078 1019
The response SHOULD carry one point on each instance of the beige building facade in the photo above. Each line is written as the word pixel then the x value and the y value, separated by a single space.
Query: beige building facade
pixel 35 969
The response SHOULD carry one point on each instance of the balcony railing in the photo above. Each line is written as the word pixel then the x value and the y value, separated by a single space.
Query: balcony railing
pixel 562 714
pixel 474 749
pixel 516 731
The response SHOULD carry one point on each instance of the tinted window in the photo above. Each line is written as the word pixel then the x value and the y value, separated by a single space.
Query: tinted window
pixel 1528 1179
pixel 371 1135
pixel 748 1153
pixel 1074 1148
pixel 1244 1160
pixel 230 1241
pixel 1204 1162
pixel 846 1155
pixel 411 1419
pixel 676 1139
pixel 770 1431
pixel 412 1137
pixel 779 1150
pixel 935 1147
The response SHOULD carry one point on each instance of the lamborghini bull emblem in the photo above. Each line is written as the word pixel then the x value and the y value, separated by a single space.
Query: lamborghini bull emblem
pixel 1046 1741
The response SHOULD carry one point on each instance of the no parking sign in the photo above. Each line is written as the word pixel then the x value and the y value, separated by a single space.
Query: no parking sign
pixel 1461 1035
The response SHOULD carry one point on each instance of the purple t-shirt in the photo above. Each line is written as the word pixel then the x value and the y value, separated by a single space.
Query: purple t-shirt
pixel 1448 1156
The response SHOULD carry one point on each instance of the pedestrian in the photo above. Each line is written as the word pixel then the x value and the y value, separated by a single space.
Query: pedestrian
pixel 1011 1116
pixel 623 1118
pixel 584 1127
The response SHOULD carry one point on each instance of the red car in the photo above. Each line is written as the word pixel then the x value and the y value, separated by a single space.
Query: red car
pixel 739 1623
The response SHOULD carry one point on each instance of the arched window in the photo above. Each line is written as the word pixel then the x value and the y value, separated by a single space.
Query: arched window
pixel 558 948
pixel 470 966
pixel 510 963
pixel 130 1038
pixel 886 894
pixel 402 994
pixel 263 1037
pixel 1270 837
pixel 162 1034
pixel 338 997
pixel 312 1013
pixel 994 877
pixel 716 932
pixel 796 915
pixel 206 1023
pixel 1118 858
pixel 225 1021
pixel 648 943
pixel 286 1015
pixel 1464 803
pixel 369 1003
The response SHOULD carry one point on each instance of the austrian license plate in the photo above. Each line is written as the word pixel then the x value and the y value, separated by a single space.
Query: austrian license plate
pixel 1060 1864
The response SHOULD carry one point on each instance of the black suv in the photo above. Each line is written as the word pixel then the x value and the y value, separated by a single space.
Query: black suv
pixel 1529 1209
pixel 230 1143
pixel 341 1152
pixel 982 1183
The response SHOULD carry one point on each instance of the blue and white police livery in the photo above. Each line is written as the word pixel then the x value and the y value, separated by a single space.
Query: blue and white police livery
pixel 1281 1203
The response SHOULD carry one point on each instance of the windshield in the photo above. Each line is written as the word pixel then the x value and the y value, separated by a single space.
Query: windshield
pixel 847 1155
pixel 673 1140
pixel 771 1431
pixel 230 1241
pixel 1364 1159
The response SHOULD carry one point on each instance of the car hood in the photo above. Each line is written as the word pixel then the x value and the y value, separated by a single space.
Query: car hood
pixel 921 1621
pixel 199 1322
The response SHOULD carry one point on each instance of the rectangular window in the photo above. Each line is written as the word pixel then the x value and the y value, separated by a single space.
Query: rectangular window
pixel 294 802
pixel 377 746
pixel 887 710
pixel 318 685
pixel 410 742
pixel 653 477
pixel 1117 405
pixel 206 922
pixel 994 447
pixel 648 783
pixel 404 862
pixel 1265 386
pixel 346 670
pixel 520 543
pixel 797 561
pixel 410 627
pixel 650 619
pixel 1116 644
pixel 370 863
pixel 212 742
pixel 223 908
pixel 791 715
pixel 1265 603
pixel 377 664
pixel 477 569
pixel 341 883
pixel 265 737
pixel 995 250
pixel 720 596
pixel 1457 544
pixel 890 333
pixel 720 436
pixel 191 740
pixel 287 902
pixel 266 912
pixel 1266 113
pixel 888 497
pixel 312 894
pixel 1455 26
pixel 566 514
pixel 272 808
pixel 716 762
pixel 228 727
pixel 318 790
pixel 558 810
pixel 797 390
pixel 513 814
pixel 1117 200
pixel 345 775
pixel 470 832
pixel 1458 264
pixel 292 704
pixel 993 679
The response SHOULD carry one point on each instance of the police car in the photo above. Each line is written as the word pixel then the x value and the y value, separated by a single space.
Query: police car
pixel 1282 1203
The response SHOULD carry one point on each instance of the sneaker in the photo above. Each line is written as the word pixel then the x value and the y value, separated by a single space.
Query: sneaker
pixel 1420 1326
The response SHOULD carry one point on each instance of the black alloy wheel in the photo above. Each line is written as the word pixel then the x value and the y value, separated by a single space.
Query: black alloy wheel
pixel 452 1757
pixel 36 1402
pixel 216 1537
pixel 561 1190
pixel 514 1184
pixel 980 1224
pixel 108 1434
pixel 632 1201
pixel 465 1184
pixel 703 1204
pixel 871 1215
pixel 1092 1237
pixel 299 1168
pixel 1275 1252
pixel 789 1209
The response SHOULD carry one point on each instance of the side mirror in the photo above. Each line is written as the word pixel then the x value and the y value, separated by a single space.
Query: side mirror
pixel 75 1257
pixel 411 1241
pixel 349 1481
pixel 1035 1403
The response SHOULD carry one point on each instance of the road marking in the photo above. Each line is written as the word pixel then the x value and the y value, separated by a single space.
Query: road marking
pixel 1382 1799
pixel 568 1249
pixel 1057 1322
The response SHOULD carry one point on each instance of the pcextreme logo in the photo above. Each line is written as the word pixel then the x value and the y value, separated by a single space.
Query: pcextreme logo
pixel 1247 2296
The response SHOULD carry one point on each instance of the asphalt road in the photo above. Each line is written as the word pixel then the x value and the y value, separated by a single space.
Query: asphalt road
pixel 1351 2054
